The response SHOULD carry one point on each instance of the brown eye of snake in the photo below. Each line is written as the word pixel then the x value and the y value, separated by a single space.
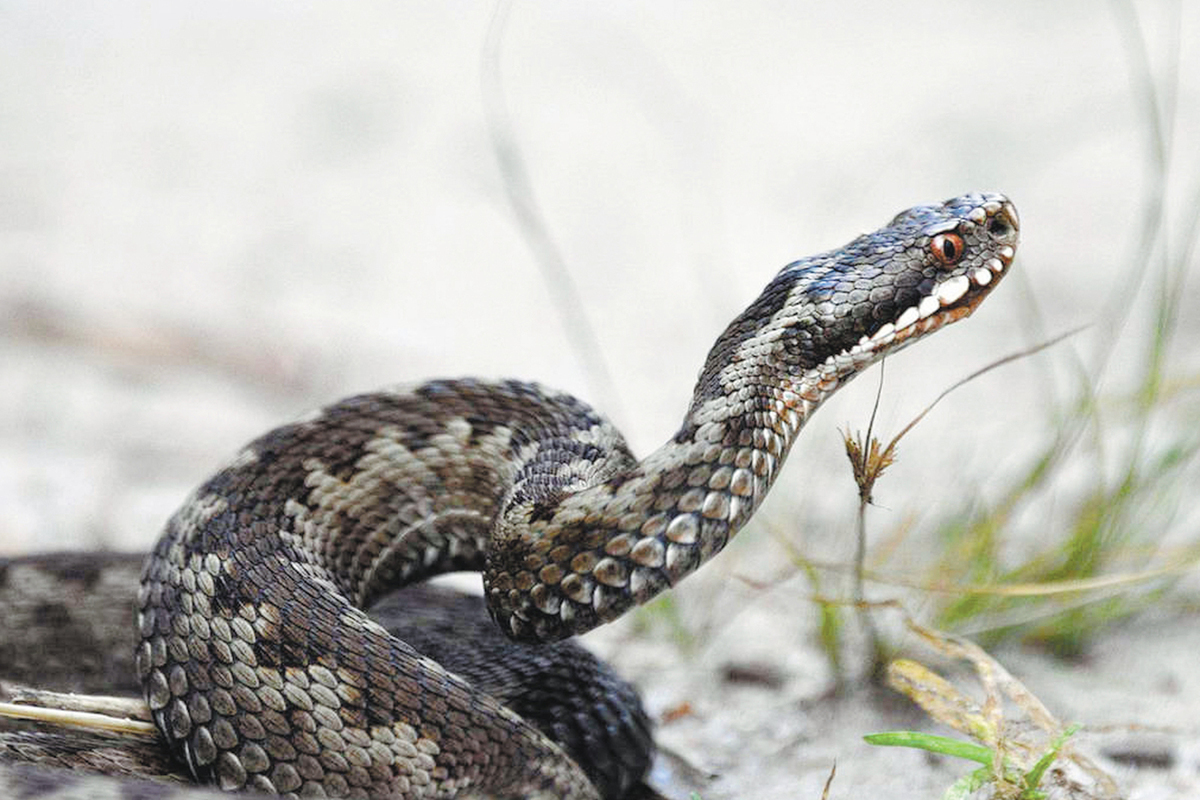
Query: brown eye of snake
pixel 947 248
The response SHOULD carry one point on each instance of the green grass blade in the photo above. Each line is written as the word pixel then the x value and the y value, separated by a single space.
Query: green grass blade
pixel 934 744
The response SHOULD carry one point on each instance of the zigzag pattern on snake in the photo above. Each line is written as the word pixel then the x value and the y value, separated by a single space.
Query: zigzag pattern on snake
pixel 256 656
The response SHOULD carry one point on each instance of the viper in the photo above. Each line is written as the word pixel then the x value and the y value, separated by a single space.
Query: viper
pixel 256 654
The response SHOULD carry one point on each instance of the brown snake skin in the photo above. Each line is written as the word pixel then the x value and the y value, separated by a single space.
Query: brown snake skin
pixel 263 670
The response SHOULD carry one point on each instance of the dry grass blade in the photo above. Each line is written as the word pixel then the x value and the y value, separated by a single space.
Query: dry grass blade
pixel 121 715
pixel 939 699
pixel 1179 562
pixel 531 223
pixel 870 460
pixel 1016 741
pixel 829 782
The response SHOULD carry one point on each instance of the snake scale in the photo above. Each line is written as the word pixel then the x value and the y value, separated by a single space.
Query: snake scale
pixel 256 655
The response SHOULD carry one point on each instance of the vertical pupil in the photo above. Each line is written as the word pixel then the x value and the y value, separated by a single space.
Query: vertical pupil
pixel 947 248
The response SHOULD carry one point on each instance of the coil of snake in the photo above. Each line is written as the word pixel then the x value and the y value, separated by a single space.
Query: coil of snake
pixel 256 656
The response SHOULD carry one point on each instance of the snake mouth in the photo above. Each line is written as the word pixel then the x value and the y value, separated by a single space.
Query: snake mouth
pixel 947 301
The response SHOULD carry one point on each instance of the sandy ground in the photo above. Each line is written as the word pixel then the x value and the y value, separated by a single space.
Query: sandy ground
pixel 214 218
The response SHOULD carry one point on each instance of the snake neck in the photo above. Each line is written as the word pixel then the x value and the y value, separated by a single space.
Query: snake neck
pixel 590 548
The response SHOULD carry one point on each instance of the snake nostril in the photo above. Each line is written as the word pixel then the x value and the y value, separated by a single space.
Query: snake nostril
pixel 1003 224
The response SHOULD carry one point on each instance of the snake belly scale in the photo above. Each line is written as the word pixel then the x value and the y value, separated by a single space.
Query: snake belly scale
pixel 256 657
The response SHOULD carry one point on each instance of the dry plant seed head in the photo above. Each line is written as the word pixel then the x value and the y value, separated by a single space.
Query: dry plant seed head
pixel 867 462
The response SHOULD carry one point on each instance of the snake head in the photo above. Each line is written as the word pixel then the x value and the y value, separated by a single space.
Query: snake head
pixel 939 263
pixel 825 318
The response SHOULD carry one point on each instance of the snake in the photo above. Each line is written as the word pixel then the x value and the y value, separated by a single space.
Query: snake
pixel 255 651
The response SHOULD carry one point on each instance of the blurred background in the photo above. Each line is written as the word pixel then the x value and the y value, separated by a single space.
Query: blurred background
pixel 214 218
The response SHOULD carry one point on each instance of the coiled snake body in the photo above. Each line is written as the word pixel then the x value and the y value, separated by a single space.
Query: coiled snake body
pixel 262 669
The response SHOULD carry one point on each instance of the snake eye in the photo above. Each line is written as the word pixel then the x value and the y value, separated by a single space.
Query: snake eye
pixel 947 248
